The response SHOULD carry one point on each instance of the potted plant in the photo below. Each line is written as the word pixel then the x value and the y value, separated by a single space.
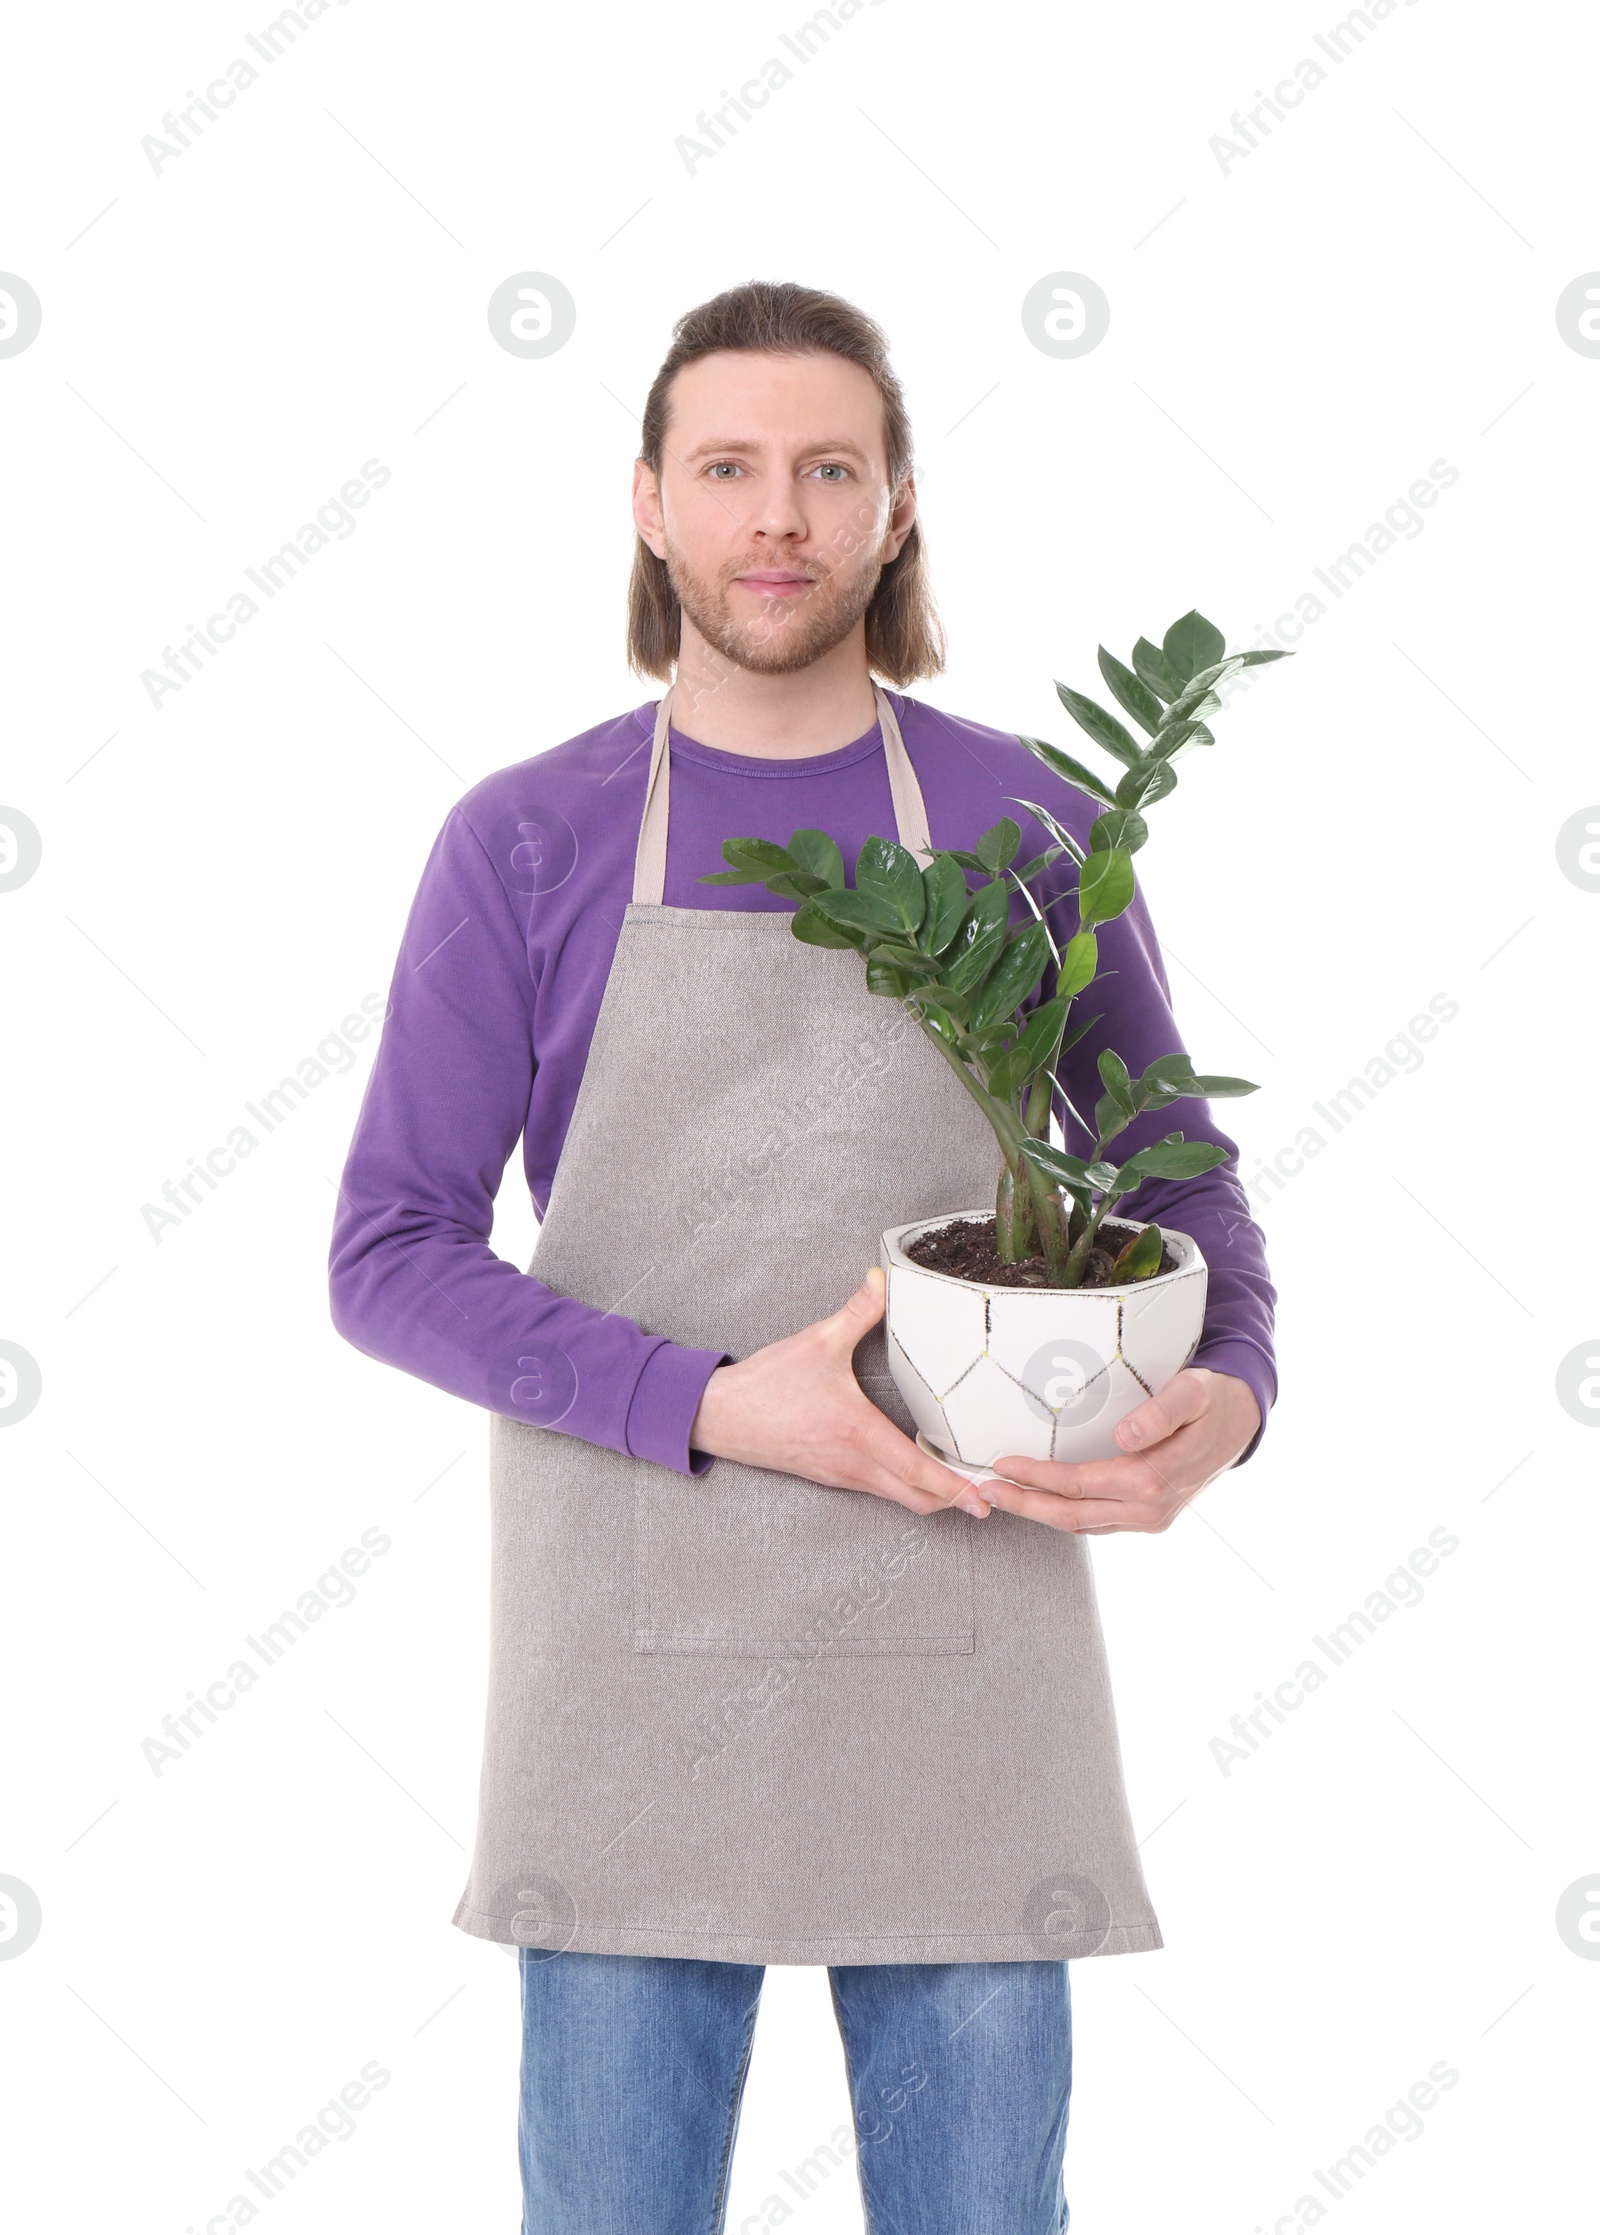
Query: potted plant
pixel 1035 1326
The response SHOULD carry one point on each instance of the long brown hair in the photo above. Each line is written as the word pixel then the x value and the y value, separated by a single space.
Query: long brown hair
pixel 904 636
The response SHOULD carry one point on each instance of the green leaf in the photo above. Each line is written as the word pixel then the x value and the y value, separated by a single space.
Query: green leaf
pixel 1169 1072
pixel 1219 671
pixel 1079 961
pixel 1058 831
pixel 858 911
pixel 794 884
pixel 1105 886
pixel 816 931
pixel 1110 1118
pixel 978 943
pixel 756 853
pixel 953 998
pixel 1144 785
pixel 1174 1076
pixel 1215 1089
pixel 997 848
pixel 1201 687
pixel 1104 728
pixel 1191 644
pixel 1014 976
pixel 1152 670
pixel 1067 1171
pixel 1171 1159
pixel 1000 1076
pixel 1031 869
pixel 817 854
pixel 1167 744
pixel 910 959
pixel 1140 1258
pixel 1081 778
pixel 883 977
pixel 1037 1043
pixel 1131 695
pixel 754 861
pixel 1077 1033
pixel 963 860
pixel 1114 1077
pixel 945 899
pixel 1118 826
pixel 1119 1105
pixel 890 874
pixel 942 1027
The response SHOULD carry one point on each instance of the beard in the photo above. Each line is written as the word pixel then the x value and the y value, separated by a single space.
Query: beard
pixel 792 633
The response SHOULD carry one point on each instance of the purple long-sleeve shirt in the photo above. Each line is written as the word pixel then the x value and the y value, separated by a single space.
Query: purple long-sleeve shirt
pixel 494 1000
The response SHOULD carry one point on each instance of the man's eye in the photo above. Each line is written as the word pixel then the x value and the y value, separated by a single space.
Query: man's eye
pixel 833 469
pixel 725 465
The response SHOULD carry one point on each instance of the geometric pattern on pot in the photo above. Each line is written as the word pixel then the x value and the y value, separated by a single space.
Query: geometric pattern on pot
pixel 1060 1347
pixel 921 1402
pixel 986 1414
pixel 1043 1372
pixel 1019 1321
pixel 939 1325
pixel 1084 1433
pixel 1159 1331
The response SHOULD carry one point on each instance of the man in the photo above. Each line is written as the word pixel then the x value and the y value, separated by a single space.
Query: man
pixel 767 1683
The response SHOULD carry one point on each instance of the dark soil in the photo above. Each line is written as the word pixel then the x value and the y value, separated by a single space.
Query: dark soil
pixel 965 1248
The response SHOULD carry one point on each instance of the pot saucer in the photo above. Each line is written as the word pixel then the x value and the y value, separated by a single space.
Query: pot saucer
pixel 956 1466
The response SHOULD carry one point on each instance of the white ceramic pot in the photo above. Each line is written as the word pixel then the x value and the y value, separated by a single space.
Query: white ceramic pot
pixel 1044 1373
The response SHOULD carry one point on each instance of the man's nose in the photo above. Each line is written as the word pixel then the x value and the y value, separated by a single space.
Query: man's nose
pixel 778 513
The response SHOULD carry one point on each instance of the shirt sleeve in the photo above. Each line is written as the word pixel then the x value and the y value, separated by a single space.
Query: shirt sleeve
pixel 412 1279
pixel 1134 1003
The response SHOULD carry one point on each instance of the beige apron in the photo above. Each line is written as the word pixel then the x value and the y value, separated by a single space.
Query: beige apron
pixel 737 1715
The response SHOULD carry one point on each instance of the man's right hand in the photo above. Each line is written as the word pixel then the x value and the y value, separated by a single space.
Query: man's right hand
pixel 797 1408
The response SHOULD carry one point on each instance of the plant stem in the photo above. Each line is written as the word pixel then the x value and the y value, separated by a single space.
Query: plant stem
pixel 1013 1217
pixel 1007 1125
pixel 1037 1116
pixel 1078 1257
pixel 1024 1220
pixel 1051 1220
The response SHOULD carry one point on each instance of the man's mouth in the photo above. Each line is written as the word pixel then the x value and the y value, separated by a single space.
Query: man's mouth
pixel 774 582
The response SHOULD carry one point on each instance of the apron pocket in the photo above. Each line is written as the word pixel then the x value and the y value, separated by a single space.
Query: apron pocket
pixel 743 1561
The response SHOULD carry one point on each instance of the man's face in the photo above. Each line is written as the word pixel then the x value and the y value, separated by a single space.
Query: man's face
pixel 773 510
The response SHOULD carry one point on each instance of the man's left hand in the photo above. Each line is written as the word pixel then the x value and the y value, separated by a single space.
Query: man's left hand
pixel 1173 1445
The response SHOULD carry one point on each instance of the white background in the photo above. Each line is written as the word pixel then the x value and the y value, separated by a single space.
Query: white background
pixel 1293 341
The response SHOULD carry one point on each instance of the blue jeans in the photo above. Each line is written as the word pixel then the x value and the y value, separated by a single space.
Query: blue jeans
pixel 633 2068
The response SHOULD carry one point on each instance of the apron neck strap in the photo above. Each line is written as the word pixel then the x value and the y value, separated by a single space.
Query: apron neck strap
pixel 650 859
